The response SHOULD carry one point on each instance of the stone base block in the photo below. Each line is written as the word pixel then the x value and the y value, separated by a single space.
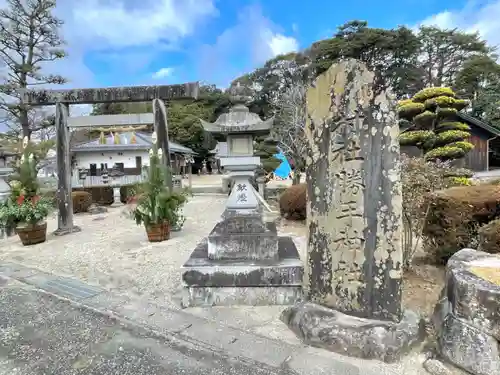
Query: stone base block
pixel 329 329
pixel 222 282
pixel 468 347
pixel 65 231
pixel 467 316
pixel 245 296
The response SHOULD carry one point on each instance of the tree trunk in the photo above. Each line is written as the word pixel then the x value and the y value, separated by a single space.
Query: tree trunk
pixel 296 178
pixel 24 122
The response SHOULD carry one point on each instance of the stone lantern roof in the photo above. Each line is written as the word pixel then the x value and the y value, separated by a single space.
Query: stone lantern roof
pixel 239 119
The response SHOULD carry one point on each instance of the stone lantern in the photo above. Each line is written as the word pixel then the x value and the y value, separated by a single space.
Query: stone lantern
pixel 243 261
pixel 115 175
pixel 240 126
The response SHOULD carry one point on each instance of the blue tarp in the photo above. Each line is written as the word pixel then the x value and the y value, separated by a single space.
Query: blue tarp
pixel 284 169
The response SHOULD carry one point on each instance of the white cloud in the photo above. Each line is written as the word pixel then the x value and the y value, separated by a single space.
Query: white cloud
pixel 281 44
pixel 123 23
pixel 253 40
pixel 110 29
pixel 163 73
pixel 475 16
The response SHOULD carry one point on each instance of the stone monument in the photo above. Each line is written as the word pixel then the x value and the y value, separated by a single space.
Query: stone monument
pixel 352 279
pixel 243 261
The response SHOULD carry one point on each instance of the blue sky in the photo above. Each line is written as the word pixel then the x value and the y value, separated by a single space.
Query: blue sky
pixel 133 42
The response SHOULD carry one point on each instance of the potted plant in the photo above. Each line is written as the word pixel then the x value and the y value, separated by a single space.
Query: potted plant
pixel 155 206
pixel 25 208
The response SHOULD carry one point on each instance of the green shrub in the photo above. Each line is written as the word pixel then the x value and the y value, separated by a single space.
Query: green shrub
pixel 451 136
pixel 460 181
pixel 444 153
pixel 49 194
pixel 460 104
pixel 489 237
pixel 81 201
pixel 446 113
pixel 404 102
pixel 102 195
pixel 452 125
pixel 293 202
pixel 410 110
pixel 440 101
pixel 415 137
pixel 418 178
pixel 129 191
pixel 455 216
pixel 432 92
pixel 424 120
pixel 464 145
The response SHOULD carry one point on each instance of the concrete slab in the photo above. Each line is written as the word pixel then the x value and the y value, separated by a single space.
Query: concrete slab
pixel 16 271
pixel 63 286
pixel 40 334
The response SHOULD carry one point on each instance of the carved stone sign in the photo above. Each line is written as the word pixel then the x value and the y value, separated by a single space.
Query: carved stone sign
pixel 354 196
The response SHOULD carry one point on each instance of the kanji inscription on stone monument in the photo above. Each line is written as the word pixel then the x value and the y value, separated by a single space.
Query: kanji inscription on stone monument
pixel 354 255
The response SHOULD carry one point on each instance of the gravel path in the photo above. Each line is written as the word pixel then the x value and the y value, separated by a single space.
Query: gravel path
pixel 114 252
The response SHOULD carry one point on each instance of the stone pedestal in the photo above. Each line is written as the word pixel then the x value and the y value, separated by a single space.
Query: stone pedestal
pixel 354 265
pixel 243 261
pixel 467 317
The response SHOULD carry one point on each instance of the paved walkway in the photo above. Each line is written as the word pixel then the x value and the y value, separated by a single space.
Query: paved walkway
pixel 59 325
pixel 40 334
pixel 110 267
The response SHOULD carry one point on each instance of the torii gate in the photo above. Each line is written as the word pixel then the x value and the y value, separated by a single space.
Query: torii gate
pixel 62 100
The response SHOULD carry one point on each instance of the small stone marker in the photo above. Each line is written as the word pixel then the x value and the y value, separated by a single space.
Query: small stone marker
pixel 354 259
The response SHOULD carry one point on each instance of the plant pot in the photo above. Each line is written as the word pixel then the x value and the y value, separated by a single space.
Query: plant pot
pixel 32 234
pixel 158 232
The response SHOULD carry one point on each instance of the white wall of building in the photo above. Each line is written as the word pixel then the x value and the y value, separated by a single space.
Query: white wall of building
pixel 128 158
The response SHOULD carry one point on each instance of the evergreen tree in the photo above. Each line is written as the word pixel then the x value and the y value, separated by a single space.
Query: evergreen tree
pixel 430 120
pixel 29 38
pixel 266 148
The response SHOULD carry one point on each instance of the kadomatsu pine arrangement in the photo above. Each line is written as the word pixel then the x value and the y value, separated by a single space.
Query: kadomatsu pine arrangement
pixel 155 206
pixel 25 208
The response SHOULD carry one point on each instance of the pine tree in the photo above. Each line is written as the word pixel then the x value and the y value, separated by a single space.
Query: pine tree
pixel 29 38
pixel 430 118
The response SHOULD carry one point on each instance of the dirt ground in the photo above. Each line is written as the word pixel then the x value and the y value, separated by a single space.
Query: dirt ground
pixel 422 284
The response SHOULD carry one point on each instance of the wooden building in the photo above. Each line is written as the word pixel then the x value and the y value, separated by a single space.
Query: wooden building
pixel 486 141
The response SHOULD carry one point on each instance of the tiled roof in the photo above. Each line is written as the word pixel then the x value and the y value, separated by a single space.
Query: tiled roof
pixel 142 141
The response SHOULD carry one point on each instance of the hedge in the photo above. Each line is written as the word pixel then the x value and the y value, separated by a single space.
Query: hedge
pixel 455 216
